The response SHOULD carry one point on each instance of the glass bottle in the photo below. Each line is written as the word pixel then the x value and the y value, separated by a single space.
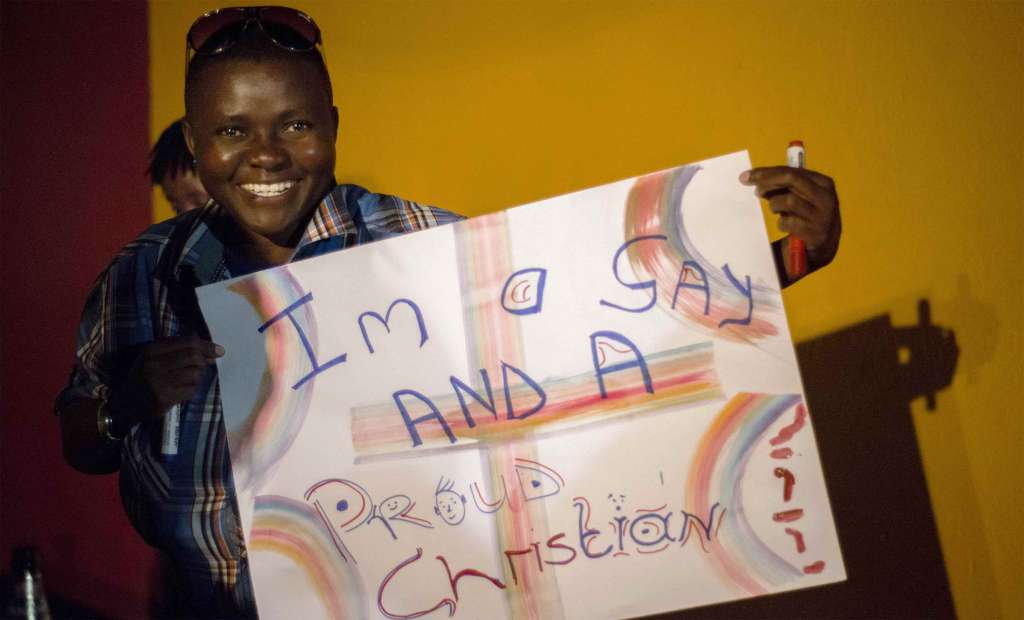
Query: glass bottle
pixel 28 601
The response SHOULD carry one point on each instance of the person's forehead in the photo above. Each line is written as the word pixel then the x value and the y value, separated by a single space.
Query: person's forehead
pixel 291 70
pixel 244 88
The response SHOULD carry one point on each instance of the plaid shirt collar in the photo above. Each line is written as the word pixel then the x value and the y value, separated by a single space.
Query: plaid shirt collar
pixel 203 251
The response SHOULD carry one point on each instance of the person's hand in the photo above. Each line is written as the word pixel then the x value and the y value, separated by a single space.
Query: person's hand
pixel 165 372
pixel 808 208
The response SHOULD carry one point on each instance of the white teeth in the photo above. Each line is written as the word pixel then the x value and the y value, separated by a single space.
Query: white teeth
pixel 267 190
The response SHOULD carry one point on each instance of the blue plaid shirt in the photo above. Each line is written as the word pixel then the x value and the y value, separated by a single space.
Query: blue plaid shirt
pixel 185 506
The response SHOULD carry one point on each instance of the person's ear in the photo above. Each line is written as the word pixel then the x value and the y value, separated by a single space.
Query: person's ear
pixel 334 118
pixel 186 130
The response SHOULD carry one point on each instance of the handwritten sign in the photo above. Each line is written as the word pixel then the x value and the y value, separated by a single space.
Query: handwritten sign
pixel 584 407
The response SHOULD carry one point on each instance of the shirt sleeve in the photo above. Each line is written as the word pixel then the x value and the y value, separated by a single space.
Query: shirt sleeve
pixel 116 319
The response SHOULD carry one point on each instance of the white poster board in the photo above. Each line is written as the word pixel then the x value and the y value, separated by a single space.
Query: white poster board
pixel 584 407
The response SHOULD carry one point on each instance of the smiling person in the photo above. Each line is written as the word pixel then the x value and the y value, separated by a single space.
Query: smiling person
pixel 261 124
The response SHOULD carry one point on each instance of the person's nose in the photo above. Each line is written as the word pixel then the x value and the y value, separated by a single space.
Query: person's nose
pixel 266 152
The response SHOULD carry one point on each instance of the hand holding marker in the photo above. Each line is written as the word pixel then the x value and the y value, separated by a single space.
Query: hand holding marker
pixel 172 428
pixel 164 378
pixel 797 248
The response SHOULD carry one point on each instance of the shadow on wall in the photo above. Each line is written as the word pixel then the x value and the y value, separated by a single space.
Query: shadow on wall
pixel 859 383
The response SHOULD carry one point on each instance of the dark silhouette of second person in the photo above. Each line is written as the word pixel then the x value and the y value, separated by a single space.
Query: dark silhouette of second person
pixel 172 168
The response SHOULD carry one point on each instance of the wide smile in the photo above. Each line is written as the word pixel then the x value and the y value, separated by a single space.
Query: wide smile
pixel 268 190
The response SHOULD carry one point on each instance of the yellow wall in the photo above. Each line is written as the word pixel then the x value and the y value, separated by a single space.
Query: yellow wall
pixel 916 109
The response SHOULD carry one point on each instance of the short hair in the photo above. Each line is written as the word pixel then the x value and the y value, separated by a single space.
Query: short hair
pixel 170 155
pixel 253 45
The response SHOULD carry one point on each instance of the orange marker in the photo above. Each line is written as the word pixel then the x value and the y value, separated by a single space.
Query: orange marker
pixel 797 248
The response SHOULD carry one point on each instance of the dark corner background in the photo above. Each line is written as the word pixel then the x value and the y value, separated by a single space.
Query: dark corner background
pixel 75 133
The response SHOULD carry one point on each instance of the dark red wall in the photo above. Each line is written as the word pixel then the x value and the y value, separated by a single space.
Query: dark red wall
pixel 75 109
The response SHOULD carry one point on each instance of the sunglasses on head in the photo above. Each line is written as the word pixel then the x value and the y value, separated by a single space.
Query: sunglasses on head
pixel 216 31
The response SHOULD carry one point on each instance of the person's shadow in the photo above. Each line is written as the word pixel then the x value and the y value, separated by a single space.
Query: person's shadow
pixel 859 382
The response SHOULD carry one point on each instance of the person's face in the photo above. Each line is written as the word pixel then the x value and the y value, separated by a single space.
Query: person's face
pixel 184 192
pixel 262 134
pixel 450 506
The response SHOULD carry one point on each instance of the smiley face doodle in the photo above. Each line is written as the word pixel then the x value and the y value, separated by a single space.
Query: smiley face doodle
pixel 399 508
pixel 448 504
pixel 392 507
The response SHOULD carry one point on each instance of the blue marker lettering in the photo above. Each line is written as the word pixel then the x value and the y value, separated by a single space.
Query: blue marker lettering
pixel 585 534
pixel 461 387
pixel 703 286
pixel 385 320
pixel 648 284
pixel 747 292
pixel 317 367
pixel 639 362
pixel 538 301
pixel 646 522
pixel 510 413
pixel 702 528
pixel 410 424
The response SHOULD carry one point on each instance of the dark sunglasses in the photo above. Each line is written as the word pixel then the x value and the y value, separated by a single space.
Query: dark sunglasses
pixel 218 30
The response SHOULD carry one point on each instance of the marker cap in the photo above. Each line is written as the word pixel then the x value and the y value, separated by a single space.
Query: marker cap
pixel 795 154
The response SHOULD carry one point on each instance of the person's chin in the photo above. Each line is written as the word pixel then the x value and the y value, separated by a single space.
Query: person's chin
pixel 272 219
pixel 270 228
pixel 281 234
